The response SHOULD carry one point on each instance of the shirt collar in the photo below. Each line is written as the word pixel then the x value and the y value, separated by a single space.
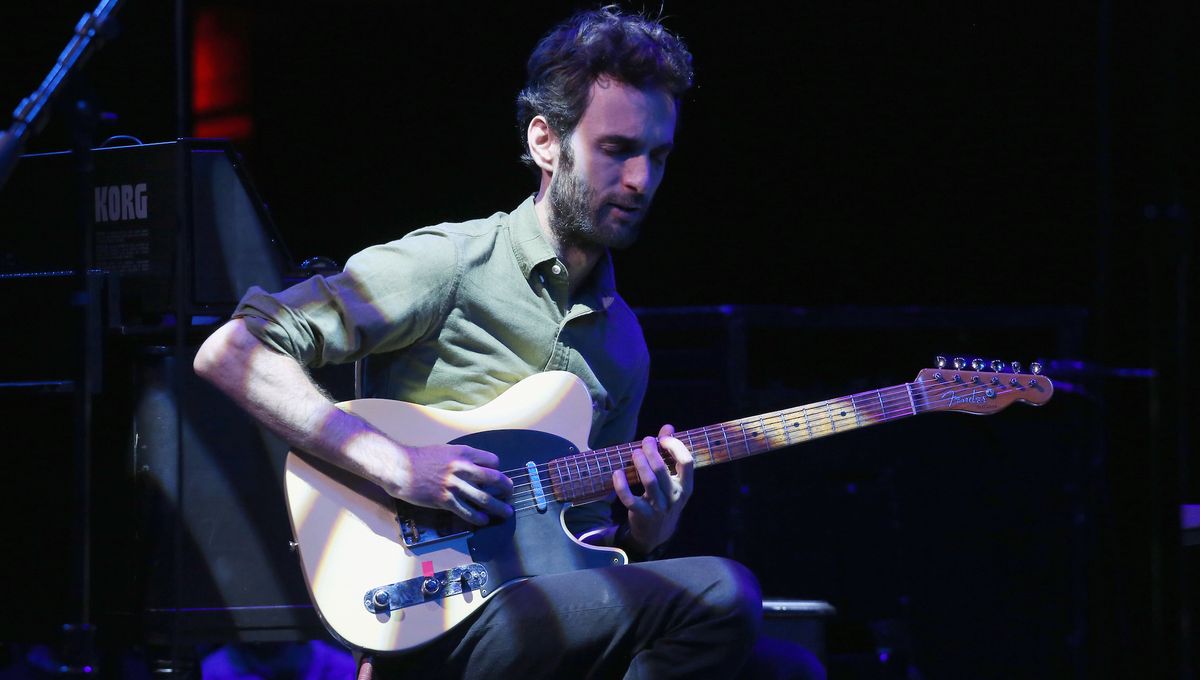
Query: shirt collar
pixel 529 245
pixel 531 250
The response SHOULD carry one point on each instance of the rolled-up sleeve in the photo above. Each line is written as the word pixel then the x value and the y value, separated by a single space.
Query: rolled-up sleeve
pixel 388 297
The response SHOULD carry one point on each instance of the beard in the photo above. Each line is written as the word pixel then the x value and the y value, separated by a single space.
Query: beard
pixel 574 211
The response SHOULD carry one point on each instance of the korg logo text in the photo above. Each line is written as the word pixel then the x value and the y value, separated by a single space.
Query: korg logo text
pixel 121 202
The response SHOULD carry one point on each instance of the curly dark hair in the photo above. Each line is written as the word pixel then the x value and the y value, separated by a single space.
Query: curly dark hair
pixel 605 42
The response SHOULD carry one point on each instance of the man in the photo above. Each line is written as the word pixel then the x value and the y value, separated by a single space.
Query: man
pixel 455 314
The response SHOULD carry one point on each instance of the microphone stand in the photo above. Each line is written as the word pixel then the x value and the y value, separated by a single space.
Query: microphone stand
pixel 30 115
pixel 93 29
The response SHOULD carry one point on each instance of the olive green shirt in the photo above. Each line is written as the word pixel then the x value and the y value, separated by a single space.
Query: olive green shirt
pixel 453 315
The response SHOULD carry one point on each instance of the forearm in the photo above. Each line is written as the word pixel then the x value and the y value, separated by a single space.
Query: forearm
pixel 275 390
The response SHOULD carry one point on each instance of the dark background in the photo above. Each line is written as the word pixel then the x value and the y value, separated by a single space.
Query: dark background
pixel 865 185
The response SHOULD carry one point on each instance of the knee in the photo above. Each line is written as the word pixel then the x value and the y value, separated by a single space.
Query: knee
pixel 734 595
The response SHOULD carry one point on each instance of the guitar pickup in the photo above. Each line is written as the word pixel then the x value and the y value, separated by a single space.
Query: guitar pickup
pixel 422 589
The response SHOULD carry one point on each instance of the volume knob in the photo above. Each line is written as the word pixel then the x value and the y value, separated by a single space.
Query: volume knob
pixel 381 598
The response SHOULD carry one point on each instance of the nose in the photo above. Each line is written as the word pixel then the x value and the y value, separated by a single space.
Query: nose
pixel 637 174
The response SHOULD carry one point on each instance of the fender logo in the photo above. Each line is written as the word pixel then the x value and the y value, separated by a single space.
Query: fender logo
pixel 975 397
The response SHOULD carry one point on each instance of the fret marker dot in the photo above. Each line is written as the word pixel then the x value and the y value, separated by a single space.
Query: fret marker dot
pixel 843 413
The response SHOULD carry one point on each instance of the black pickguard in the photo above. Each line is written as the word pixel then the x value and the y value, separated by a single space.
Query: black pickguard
pixel 531 542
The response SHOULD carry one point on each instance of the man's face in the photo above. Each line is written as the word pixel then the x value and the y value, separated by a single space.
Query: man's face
pixel 610 165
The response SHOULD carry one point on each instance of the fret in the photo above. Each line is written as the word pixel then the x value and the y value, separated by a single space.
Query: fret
pixel 578 478
pixel 762 427
pixel 807 424
pixel 882 407
pixel 562 479
pixel 598 475
pixel 586 476
pixel 787 435
pixel 912 404
pixel 724 442
pixel 708 442
pixel 829 410
pixel 857 417
pixel 691 440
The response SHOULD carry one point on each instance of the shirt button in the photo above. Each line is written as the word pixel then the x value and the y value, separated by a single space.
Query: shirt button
pixel 556 270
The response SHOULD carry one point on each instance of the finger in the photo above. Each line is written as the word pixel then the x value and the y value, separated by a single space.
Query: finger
pixel 662 473
pixel 497 481
pixel 482 500
pixel 665 431
pixel 464 510
pixel 624 494
pixel 684 465
pixel 485 477
pixel 499 489
pixel 480 457
pixel 655 491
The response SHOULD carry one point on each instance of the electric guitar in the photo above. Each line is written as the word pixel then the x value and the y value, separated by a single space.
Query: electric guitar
pixel 387 576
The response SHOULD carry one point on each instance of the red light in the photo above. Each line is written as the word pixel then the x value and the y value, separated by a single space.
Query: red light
pixel 221 73
pixel 237 126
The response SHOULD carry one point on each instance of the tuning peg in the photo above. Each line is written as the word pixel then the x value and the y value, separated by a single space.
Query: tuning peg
pixel 1016 367
pixel 997 366
pixel 959 362
pixel 977 364
pixel 940 361
pixel 1036 368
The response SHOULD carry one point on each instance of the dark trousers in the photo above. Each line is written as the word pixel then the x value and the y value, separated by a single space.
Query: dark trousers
pixel 694 617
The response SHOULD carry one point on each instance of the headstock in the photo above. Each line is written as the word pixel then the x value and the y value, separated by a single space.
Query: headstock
pixel 951 388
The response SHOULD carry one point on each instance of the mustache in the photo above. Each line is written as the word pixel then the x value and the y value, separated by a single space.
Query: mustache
pixel 628 201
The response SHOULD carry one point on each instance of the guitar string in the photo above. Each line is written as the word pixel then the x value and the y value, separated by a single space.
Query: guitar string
pixel 771 427
pixel 898 396
pixel 525 500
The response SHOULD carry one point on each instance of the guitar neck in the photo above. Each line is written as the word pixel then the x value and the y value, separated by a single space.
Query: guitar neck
pixel 587 476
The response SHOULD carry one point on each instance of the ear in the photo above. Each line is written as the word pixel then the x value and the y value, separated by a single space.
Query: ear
pixel 543 144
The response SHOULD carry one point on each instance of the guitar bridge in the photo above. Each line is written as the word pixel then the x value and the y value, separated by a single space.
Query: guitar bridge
pixel 422 589
pixel 423 526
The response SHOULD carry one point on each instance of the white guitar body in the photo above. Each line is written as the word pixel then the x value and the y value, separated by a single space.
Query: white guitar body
pixel 349 530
